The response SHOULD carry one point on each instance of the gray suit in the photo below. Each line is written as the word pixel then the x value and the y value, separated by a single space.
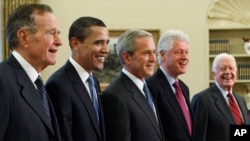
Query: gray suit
pixel 213 116
pixel 23 116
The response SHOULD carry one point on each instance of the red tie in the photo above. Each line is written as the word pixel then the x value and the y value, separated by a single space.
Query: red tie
pixel 234 109
pixel 183 105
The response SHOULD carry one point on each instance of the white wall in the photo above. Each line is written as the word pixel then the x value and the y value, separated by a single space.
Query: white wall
pixel 189 16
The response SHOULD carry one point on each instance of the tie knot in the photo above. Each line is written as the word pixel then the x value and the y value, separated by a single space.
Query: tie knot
pixel 230 95
pixel 145 88
pixel 176 84
pixel 91 80
pixel 39 81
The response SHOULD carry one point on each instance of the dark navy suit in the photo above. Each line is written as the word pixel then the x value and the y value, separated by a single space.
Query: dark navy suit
pixel 22 115
pixel 73 105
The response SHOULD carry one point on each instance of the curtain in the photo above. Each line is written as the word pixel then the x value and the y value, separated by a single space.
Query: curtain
pixel 7 7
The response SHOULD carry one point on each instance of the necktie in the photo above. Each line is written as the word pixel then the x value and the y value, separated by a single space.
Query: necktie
pixel 149 98
pixel 43 94
pixel 93 95
pixel 182 103
pixel 234 109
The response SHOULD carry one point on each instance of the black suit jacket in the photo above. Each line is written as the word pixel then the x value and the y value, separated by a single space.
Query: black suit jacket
pixel 173 121
pixel 213 115
pixel 22 115
pixel 128 116
pixel 73 105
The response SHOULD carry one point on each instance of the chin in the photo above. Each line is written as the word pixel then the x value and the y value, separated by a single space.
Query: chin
pixel 51 62
pixel 99 68
pixel 149 74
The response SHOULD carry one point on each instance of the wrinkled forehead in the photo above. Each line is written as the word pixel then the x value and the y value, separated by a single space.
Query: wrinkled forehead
pixel 227 61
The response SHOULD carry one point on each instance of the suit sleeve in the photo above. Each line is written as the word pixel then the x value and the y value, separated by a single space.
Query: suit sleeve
pixel 201 118
pixel 116 118
pixel 244 110
pixel 4 108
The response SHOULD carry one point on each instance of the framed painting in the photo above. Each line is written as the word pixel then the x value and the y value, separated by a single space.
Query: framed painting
pixel 112 65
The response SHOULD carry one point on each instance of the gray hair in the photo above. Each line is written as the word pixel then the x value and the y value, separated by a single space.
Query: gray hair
pixel 221 56
pixel 127 42
pixel 23 17
pixel 166 41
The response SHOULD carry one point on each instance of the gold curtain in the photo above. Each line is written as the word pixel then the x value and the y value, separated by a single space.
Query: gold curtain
pixel 7 7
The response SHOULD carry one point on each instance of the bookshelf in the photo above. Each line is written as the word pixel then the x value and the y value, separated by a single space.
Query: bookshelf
pixel 226 28
pixel 230 40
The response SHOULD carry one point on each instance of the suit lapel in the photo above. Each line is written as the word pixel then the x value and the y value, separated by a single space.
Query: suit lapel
pixel 242 109
pixel 170 97
pixel 29 92
pixel 84 96
pixel 221 104
pixel 139 98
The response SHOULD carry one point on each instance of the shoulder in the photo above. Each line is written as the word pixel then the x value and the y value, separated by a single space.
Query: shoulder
pixel 182 83
pixel 5 69
pixel 115 86
pixel 239 98
pixel 205 95
pixel 62 73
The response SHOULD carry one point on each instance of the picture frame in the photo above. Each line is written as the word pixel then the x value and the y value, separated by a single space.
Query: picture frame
pixel 112 66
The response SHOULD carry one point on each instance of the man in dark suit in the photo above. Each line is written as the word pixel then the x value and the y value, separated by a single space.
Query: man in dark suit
pixel 32 34
pixel 128 115
pixel 173 58
pixel 79 112
pixel 212 105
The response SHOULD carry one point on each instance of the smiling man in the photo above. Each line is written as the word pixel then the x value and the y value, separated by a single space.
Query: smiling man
pixel 128 115
pixel 76 102
pixel 33 36
pixel 173 104
pixel 212 106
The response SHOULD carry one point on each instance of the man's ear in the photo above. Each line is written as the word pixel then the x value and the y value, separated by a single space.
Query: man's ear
pixel 74 43
pixel 213 73
pixel 126 57
pixel 22 37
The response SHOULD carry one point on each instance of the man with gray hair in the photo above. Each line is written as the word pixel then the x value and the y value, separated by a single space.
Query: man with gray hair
pixel 218 107
pixel 130 113
pixel 170 93
pixel 27 113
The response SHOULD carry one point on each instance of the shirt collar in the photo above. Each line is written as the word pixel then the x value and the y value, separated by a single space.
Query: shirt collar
pixel 28 68
pixel 170 79
pixel 136 81
pixel 80 70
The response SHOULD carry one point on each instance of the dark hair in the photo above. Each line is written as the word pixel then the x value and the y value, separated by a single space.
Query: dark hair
pixel 23 17
pixel 80 28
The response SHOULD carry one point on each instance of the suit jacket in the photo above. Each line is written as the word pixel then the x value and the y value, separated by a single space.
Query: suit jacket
pixel 23 116
pixel 173 121
pixel 73 105
pixel 128 116
pixel 213 115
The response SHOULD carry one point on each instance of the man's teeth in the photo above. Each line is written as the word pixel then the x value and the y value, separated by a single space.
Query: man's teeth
pixel 101 58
